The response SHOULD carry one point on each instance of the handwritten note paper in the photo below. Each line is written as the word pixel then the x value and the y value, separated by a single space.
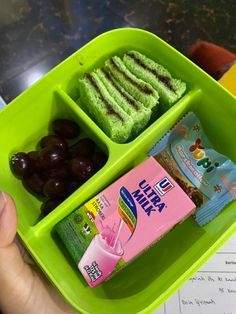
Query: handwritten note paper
pixel 212 290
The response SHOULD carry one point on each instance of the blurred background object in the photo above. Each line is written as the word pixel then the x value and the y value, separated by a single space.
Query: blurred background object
pixel 36 35
pixel 214 59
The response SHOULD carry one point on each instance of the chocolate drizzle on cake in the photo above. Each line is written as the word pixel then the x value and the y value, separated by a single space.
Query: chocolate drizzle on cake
pixel 143 89
pixel 108 106
pixel 117 87
pixel 163 78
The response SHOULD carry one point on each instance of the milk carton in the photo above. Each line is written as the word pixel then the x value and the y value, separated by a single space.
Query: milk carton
pixel 123 220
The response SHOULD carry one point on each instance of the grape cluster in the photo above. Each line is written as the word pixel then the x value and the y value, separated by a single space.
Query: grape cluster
pixel 57 169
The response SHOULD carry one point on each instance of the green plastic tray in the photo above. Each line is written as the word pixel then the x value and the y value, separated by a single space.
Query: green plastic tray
pixel 147 282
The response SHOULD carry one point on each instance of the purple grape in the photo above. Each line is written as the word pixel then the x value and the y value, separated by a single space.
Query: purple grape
pixel 49 205
pixel 34 160
pixel 34 183
pixel 99 159
pixel 82 168
pixel 53 140
pixel 65 128
pixel 54 188
pixel 62 172
pixel 73 185
pixel 51 157
pixel 20 164
pixel 84 147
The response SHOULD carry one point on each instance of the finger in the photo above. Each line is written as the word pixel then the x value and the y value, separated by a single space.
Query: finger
pixel 24 292
pixel 8 220
pixel 8 225
pixel 14 276
pixel 24 253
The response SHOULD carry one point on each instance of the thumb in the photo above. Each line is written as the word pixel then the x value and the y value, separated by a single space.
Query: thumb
pixel 24 291
pixel 8 220
pixel 14 275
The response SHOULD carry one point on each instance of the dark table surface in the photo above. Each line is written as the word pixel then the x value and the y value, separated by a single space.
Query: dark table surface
pixel 35 35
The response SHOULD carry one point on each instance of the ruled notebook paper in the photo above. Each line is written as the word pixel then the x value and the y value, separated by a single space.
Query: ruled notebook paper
pixel 212 290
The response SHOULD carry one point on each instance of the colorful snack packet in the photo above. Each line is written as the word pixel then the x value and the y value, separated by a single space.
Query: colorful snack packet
pixel 208 177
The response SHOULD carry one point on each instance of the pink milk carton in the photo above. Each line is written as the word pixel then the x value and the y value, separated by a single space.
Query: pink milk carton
pixel 123 220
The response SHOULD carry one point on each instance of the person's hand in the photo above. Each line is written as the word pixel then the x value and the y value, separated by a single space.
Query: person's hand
pixel 24 290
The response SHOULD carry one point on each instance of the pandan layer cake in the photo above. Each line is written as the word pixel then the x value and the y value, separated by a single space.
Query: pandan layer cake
pixel 135 109
pixel 103 109
pixel 122 96
pixel 138 88
pixel 169 89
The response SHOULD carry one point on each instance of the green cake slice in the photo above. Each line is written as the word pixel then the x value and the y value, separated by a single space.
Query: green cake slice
pixel 102 108
pixel 169 89
pixel 136 87
pixel 136 110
